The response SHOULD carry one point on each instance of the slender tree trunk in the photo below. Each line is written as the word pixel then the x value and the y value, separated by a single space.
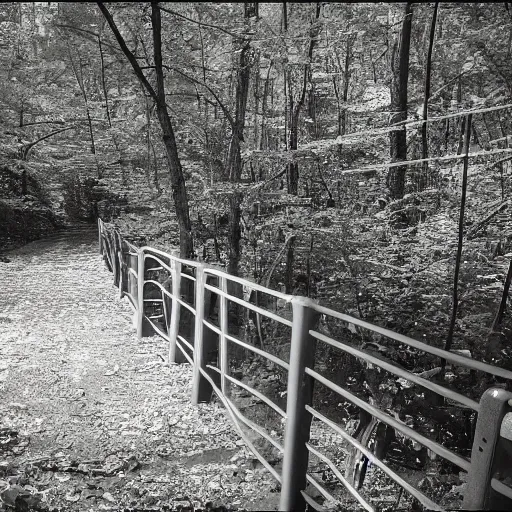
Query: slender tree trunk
pixel 338 101
pixel 256 91
pixel 503 303
pixel 81 84
pixel 178 185
pixel 428 72
pixel 295 109
pixel 22 110
pixel 234 166
pixel 308 268
pixel 290 257
pixel 235 162
pixel 177 179
pixel 263 134
pixel 346 81
pixel 155 168
pixel 455 300
pixel 86 102
pixel 399 81
pixel 103 82
pixel 461 136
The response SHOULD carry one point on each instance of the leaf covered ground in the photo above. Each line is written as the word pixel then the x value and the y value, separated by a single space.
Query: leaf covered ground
pixel 91 418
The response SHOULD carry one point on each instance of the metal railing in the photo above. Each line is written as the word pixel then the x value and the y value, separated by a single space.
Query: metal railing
pixel 160 287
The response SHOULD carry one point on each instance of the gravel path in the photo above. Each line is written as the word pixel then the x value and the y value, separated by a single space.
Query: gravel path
pixel 92 418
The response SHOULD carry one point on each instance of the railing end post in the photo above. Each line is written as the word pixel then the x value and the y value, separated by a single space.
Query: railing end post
pixel 488 455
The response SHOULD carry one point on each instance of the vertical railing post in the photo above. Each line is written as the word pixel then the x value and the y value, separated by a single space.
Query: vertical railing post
pixel 124 259
pixel 143 326
pixel 106 249
pixel 99 236
pixel 201 389
pixel 223 342
pixel 132 280
pixel 300 393
pixel 116 265
pixel 487 455
pixel 113 257
pixel 175 355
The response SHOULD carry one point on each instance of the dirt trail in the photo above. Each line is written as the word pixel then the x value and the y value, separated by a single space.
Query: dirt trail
pixel 92 418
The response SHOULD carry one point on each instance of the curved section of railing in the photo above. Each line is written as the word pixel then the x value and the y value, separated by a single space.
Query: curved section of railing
pixel 161 288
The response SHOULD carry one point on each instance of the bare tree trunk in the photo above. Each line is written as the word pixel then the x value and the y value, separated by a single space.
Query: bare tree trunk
pixel 428 71
pixel 503 303
pixel 178 185
pixel 81 84
pixel 263 134
pixel 103 83
pixel 235 159
pixel 338 103
pixel 455 300
pixel 399 81
pixel 290 257
pixel 346 81
pixel 461 136
pixel 177 179
pixel 234 166
pixel 293 168
pixel 155 168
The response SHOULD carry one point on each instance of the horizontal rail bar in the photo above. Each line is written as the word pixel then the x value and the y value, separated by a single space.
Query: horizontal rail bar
pixel 186 276
pixel 384 130
pixel 153 300
pixel 389 420
pixel 255 427
pixel 214 368
pixel 148 249
pixel 404 163
pixel 186 343
pixel 157 329
pixel 312 503
pixel 501 488
pixel 350 488
pixel 156 283
pixel 158 260
pixel 185 305
pixel 252 348
pixel 447 393
pixel 248 284
pixel 254 450
pixel 449 356
pixel 184 352
pixel 324 492
pixel 424 500
pixel 154 269
pixel 257 394
pixel 250 306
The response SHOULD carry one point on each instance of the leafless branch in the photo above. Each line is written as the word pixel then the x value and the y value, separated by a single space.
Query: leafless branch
pixel 201 23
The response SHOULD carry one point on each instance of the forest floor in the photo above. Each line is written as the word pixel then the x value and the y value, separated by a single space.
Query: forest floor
pixel 91 418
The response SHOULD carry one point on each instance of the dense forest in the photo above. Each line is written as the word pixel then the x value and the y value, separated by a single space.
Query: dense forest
pixel 358 154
